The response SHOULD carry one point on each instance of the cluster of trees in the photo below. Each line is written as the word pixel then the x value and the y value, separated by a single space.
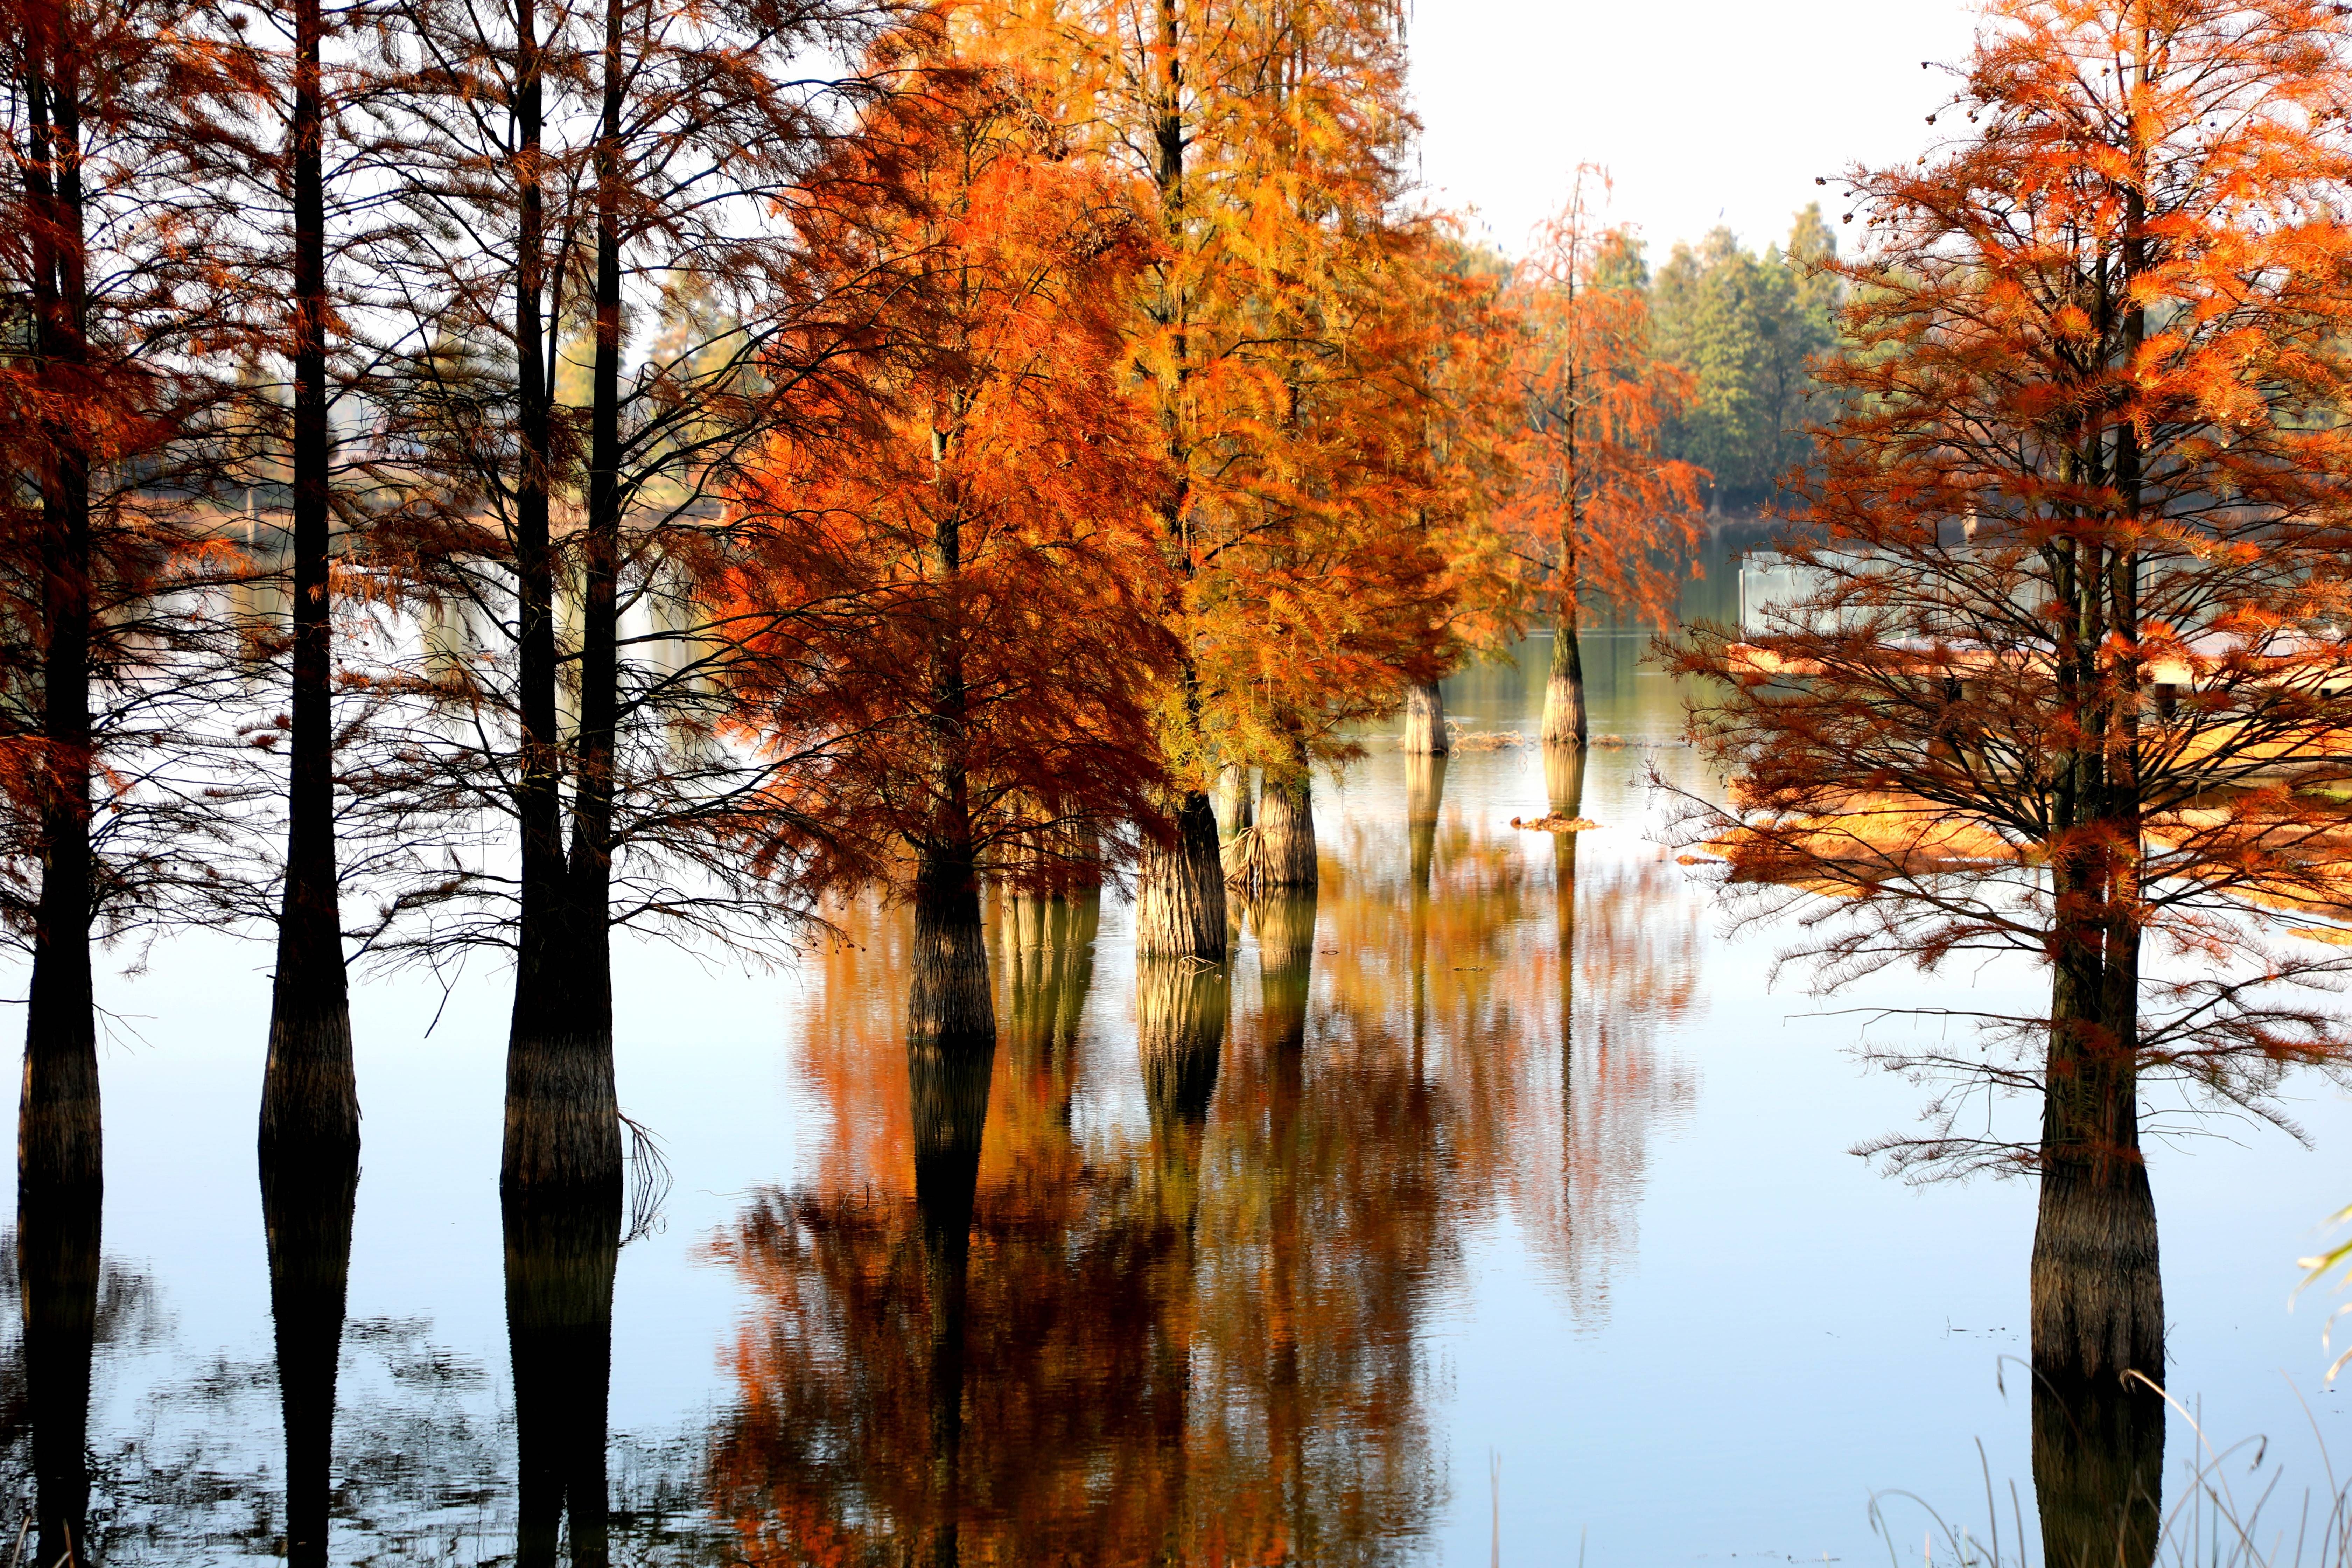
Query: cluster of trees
pixel 1749 328
pixel 481 478
pixel 557 469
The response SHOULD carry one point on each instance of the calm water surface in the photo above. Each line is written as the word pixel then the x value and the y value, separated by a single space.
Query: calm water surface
pixel 1495 1201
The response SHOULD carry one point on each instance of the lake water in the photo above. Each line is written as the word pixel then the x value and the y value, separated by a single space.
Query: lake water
pixel 1511 1218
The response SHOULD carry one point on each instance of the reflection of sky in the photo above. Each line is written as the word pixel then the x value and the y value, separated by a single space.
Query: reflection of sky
pixel 1783 1330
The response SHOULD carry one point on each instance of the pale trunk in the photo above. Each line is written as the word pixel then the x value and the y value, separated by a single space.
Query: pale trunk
pixel 1285 857
pixel 1424 720
pixel 1563 711
pixel 1179 889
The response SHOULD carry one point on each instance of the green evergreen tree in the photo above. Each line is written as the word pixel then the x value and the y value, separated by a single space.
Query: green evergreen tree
pixel 1747 327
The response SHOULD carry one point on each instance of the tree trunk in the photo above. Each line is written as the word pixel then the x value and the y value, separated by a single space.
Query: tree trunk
pixel 57 1129
pixel 56 1273
pixel 1284 854
pixel 307 1199
pixel 564 1125
pixel 2099 1471
pixel 309 1093
pixel 2097 1291
pixel 1424 720
pixel 1235 806
pixel 563 1246
pixel 948 1002
pixel 1563 711
pixel 1179 889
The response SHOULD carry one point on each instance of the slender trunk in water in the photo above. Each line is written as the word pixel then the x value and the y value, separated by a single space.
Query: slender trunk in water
pixel 1563 709
pixel 948 1085
pixel 2099 1471
pixel 563 1124
pixel 57 1137
pixel 1286 828
pixel 56 1274
pixel 307 1198
pixel 563 1246
pixel 1424 720
pixel 309 1093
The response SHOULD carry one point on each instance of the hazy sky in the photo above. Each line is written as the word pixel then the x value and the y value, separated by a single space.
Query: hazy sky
pixel 1696 107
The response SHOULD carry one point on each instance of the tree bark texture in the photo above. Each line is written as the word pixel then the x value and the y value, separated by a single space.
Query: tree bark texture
pixel 561 1249
pixel 1179 892
pixel 1284 857
pixel 2097 1290
pixel 307 1199
pixel 56 1280
pixel 1424 720
pixel 2099 1471
pixel 947 1002
pixel 1564 722
pixel 309 1094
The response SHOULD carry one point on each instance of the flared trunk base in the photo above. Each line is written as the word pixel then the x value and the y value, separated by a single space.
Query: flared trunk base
pixel 1180 894
pixel 2097 1291
pixel 1424 721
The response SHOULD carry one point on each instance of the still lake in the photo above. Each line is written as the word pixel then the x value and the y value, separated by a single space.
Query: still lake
pixel 1517 1220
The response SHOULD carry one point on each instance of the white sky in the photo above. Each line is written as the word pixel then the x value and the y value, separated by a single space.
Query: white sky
pixel 1696 107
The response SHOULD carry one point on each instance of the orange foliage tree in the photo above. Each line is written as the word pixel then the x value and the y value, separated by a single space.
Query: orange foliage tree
pixel 2069 679
pixel 1598 508
pixel 944 586
pixel 1288 341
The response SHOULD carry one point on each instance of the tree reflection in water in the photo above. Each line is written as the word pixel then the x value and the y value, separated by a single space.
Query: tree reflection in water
pixel 1551 1073
pixel 1191 1340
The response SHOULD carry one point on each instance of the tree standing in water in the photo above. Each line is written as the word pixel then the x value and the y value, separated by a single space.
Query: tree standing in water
pixel 1599 511
pixel 566 165
pixel 2070 679
pixel 945 577
pixel 309 1096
